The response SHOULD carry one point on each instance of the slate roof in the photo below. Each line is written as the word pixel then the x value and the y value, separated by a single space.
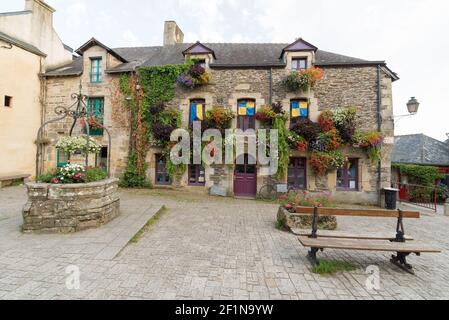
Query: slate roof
pixel 21 44
pixel 420 149
pixel 228 55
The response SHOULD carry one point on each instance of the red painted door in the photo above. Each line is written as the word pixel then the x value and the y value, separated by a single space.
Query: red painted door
pixel 245 179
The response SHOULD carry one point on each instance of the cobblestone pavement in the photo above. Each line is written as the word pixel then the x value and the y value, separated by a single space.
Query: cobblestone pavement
pixel 205 248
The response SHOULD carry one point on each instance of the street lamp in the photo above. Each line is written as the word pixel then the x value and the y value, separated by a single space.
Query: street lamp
pixel 412 107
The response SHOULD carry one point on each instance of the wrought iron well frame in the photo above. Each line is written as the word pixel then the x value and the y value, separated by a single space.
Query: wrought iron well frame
pixel 77 111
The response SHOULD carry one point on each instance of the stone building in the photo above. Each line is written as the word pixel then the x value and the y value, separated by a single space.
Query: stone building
pixel 239 72
pixel 28 47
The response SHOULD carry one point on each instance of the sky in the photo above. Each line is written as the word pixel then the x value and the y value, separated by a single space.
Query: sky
pixel 412 36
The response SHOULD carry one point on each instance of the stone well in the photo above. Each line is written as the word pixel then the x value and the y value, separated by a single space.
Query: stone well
pixel 293 221
pixel 59 208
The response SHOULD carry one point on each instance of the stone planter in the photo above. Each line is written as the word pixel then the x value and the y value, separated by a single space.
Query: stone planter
pixel 59 208
pixel 297 221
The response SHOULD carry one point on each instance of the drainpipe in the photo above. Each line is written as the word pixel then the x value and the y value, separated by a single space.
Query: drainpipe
pixel 271 85
pixel 379 128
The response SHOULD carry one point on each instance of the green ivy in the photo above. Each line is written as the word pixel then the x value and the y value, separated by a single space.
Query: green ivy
pixel 420 175
pixel 280 124
pixel 159 83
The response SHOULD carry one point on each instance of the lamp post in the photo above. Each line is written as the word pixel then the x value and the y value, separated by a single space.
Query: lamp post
pixel 412 107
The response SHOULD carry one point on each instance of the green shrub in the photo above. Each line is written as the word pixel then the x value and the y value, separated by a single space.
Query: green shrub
pixel 95 174
pixel 131 178
pixel 47 177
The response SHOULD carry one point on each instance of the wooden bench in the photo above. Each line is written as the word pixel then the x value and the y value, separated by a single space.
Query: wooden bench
pixel 399 242
pixel 7 180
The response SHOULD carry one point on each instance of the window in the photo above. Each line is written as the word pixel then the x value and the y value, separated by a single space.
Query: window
pixel 202 63
pixel 8 101
pixel 162 176
pixel 347 177
pixel 297 173
pixel 102 159
pixel 95 108
pixel 62 158
pixel 197 175
pixel 197 111
pixel 246 110
pixel 299 64
pixel 299 109
pixel 95 70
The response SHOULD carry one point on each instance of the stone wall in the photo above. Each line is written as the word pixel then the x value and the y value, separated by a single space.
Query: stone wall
pixel 340 87
pixel 70 208
pixel 116 114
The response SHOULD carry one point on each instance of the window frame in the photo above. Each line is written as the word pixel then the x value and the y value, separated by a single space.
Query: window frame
pixel 164 172
pixel 101 159
pixel 346 179
pixel 196 100
pixel 202 63
pixel 60 164
pixel 96 132
pixel 7 101
pixel 251 119
pixel 299 59
pixel 296 170
pixel 197 168
pixel 96 76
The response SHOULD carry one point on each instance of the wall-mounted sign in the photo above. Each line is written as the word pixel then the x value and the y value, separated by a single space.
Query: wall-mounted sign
pixel 389 140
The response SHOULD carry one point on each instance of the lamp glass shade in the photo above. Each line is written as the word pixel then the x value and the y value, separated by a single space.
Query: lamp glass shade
pixel 413 106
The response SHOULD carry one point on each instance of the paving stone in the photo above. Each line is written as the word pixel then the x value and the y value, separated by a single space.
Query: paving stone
pixel 205 248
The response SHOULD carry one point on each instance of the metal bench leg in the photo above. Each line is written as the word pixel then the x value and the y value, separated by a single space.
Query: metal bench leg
pixel 400 260
pixel 312 256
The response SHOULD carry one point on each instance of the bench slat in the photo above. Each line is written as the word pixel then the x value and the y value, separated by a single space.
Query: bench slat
pixel 343 235
pixel 358 212
pixel 366 245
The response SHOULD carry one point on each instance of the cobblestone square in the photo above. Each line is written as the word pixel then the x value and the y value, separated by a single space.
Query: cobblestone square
pixel 204 248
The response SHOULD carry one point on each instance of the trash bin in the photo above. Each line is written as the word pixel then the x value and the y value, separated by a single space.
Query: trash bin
pixel 391 196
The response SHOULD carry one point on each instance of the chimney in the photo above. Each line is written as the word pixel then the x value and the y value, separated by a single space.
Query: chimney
pixel 40 9
pixel 172 33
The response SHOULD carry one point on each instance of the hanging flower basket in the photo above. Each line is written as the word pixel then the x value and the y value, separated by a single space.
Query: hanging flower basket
pixel 95 123
pixel 194 77
pixel 78 144
pixel 297 142
pixel 323 162
pixel 303 80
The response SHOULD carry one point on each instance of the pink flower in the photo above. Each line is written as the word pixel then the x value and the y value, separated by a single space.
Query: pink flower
pixel 55 181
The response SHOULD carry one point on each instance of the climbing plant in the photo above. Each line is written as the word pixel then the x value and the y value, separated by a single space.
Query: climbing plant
pixel 148 92
pixel 420 175
pixel 280 124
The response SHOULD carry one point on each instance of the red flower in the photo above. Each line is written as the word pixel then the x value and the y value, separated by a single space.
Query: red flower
pixel 288 206
pixel 55 181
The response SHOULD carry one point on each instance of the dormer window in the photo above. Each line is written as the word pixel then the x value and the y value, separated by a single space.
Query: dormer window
pixel 95 70
pixel 299 64
pixel 201 63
